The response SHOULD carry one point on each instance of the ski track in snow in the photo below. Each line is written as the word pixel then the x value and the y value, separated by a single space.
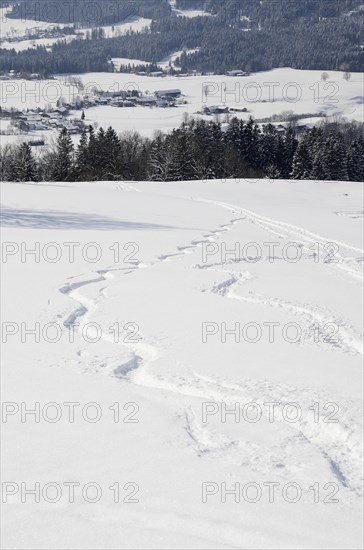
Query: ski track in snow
pixel 322 326
pixel 124 186
pixel 339 443
pixel 354 214
pixel 86 306
pixel 350 265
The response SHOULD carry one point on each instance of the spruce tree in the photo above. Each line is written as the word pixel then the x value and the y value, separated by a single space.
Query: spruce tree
pixel 251 137
pixel 82 159
pixel 270 151
pixel 290 143
pixel 100 155
pixel 64 168
pixel 7 163
pixel 25 166
pixel 356 160
pixel 301 165
pixel 336 158
pixel 92 152
pixel 159 159
pixel 181 156
pixel 112 163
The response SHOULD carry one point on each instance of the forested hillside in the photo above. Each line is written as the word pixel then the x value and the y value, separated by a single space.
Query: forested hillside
pixel 261 13
pixel 88 12
pixel 248 35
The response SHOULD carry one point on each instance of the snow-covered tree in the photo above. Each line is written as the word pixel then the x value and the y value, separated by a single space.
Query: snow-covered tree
pixel 25 168
pixel 64 168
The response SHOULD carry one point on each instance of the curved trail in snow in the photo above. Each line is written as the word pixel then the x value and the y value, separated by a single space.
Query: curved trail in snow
pixel 349 265
pixel 339 447
pixel 322 326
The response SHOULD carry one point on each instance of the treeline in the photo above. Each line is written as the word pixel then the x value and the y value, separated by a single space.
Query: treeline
pixel 45 63
pixel 87 13
pixel 267 11
pixel 197 150
pixel 107 12
pixel 278 34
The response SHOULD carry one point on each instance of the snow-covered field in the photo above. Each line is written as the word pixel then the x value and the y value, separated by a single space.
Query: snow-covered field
pixel 171 58
pixel 190 13
pixel 182 310
pixel 13 27
pixel 263 95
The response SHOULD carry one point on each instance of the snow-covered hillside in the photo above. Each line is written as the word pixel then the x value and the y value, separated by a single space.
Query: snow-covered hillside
pixel 178 321
pixel 20 29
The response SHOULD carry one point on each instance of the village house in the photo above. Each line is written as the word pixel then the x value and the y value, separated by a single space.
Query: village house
pixel 168 94
pixel 215 110
pixel 36 142
pixel 162 103
pixel 148 101
pixel 236 73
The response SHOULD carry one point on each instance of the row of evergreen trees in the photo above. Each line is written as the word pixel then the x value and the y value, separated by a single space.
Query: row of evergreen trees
pixel 197 150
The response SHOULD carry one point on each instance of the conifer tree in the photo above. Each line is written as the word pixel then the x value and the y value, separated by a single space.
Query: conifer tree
pixel 319 169
pixel 290 143
pixel 336 158
pixel 25 168
pixel 301 165
pixel 64 167
pixel 82 158
pixel 92 151
pixel 112 161
pixel 356 160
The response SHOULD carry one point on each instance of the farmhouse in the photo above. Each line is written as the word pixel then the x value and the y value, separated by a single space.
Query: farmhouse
pixel 36 142
pixel 215 110
pixel 147 101
pixel 162 103
pixel 119 93
pixel 236 73
pixel 168 94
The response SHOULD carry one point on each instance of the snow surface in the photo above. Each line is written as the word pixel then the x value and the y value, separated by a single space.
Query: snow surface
pixel 171 58
pixel 169 290
pixel 273 91
pixel 190 13
pixel 263 94
pixel 12 27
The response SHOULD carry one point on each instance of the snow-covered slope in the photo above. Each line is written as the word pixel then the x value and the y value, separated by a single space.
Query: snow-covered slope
pixel 165 280
pixel 22 28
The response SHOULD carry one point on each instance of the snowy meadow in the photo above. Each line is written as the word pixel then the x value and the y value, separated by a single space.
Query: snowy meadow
pixel 182 364
pixel 182 275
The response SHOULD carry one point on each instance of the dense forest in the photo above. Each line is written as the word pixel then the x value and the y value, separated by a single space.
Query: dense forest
pixel 198 150
pixel 261 13
pixel 240 34
pixel 86 13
